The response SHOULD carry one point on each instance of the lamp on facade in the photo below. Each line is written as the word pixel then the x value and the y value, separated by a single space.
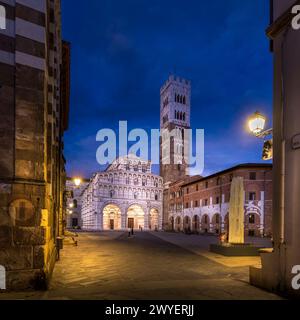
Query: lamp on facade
pixel 77 182
pixel 257 124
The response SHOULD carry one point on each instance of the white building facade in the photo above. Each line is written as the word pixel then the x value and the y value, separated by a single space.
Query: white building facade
pixel 126 195
pixel 74 203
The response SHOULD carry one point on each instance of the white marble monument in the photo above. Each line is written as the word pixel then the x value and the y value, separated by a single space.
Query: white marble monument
pixel 236 212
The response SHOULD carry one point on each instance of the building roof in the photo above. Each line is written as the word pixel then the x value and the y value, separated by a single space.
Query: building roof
pixel 129 159
pixel 240 166
pixel 186 180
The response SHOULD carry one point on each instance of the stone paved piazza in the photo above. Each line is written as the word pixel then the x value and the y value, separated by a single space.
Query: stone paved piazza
pixel 109 265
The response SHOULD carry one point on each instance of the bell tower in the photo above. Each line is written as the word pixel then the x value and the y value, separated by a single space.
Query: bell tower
pixel 175 107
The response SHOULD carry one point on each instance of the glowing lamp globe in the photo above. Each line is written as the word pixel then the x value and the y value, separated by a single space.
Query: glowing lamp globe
pixel 77 182
pixel 257 123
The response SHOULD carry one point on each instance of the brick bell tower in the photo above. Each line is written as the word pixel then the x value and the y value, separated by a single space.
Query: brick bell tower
pixel 175 106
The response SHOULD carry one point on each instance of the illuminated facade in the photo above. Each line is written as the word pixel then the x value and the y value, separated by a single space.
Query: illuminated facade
pixel 126 195
pixel 202 204
pixel 74 202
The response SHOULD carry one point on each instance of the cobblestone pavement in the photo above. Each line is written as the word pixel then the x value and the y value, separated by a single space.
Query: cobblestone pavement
pixel 113 266
pixel 199 244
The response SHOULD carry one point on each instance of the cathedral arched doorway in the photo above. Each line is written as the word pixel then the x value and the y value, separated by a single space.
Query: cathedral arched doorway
pixel 135 217
pixel 153 220
pixel 111 217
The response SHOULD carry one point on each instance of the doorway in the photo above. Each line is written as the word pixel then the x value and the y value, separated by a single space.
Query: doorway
pixel 131 223
pixel 112 224
pixel 75 222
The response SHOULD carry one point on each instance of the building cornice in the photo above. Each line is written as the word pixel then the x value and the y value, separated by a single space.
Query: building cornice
pixel 281 23
pixel 240 166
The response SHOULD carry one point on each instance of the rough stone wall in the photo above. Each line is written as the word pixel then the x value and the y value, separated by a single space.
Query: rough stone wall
pixel 32 175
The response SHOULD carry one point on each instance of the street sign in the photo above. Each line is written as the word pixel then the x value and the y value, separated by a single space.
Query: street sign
pixel 296 142
pixel 268 150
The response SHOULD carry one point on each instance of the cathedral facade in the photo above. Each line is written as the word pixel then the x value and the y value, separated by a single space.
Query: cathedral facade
pixel 126 195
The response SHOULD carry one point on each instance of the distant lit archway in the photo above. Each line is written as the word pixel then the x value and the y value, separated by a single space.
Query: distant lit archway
pixel 111 217
pixel 135 217
pixel 154 219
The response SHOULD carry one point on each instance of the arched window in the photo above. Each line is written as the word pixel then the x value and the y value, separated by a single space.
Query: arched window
pixel 175 114
pixel 184 100
pixel 251 218
pixel 180 115
pixel 183 118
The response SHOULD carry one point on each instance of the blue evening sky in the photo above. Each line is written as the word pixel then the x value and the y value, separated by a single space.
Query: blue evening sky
pixel 124 50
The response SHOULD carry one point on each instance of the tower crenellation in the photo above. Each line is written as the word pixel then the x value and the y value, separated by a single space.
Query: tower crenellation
pixel 175 103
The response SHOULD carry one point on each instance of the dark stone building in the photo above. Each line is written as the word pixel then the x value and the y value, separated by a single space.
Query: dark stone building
pixel 34 103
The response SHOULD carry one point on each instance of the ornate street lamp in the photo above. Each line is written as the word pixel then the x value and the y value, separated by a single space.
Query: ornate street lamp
pixel 257 124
